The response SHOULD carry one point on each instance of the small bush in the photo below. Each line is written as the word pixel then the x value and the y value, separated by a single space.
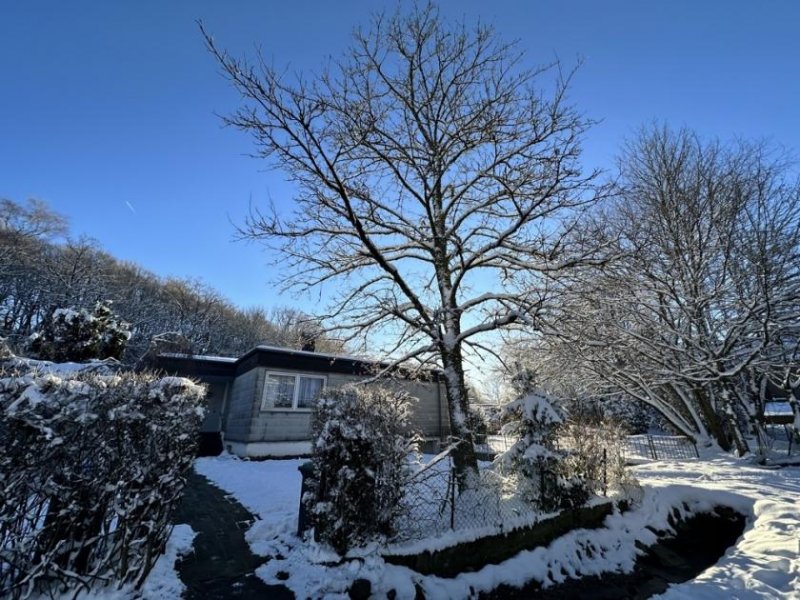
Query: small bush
pixel 70 335
pixel 92 466
pixel 361 440
pixel 5 351
pixel 545 478
pixel 596 453
pixel 478 425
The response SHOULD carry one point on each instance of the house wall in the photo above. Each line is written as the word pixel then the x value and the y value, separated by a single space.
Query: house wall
pixel 247 424
pixel 242 405
pixel 215 401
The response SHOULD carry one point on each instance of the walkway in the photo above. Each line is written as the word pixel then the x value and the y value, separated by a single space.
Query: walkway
pixel 221 565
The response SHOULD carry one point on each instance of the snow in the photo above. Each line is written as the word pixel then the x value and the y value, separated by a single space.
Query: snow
pixel 66 368
pixel 310 353
pixel 162 583
pixel 775 409
pixel 765 563
pixel 269 489
pixel 163 580
pixel 536 406
pixel 206 357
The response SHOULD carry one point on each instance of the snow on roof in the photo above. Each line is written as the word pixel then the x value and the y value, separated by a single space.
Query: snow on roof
pixel 778 408
pixel 225 359
pixel 311 353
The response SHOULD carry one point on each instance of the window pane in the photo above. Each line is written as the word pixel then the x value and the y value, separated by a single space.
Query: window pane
pixel 280 390
pixel 310 389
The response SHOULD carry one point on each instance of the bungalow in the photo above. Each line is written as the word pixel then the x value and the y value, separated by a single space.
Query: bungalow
pixel 260 404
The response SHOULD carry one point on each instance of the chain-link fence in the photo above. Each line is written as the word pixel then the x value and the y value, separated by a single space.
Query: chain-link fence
pixel 434 505
pixel 500 500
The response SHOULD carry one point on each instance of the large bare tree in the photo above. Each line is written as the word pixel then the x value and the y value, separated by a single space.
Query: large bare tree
pixel 438 187
pixel 703 305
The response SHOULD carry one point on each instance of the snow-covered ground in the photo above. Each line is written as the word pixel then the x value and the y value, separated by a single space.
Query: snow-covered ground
pixel 163 582
pixel 765 563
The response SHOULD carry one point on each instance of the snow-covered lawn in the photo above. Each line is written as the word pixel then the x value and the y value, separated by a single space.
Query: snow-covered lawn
pixel 765 563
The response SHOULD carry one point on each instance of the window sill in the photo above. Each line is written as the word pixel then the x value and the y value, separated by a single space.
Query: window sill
pixel 286 410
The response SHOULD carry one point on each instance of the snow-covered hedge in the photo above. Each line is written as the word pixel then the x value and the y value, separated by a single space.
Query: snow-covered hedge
pixel 91 468
pixel 362 440
pixel 70 335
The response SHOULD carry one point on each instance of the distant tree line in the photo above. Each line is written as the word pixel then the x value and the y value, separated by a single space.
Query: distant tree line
pixel 43 269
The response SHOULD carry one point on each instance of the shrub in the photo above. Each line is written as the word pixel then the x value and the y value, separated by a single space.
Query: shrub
pixel 5 352
pixel 544 476
pixel 70 335
pixel 92 466
pixel 478 425
pixel 596 453
pixel 361 442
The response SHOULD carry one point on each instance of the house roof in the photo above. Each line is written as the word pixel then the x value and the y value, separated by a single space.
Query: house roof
pixel 221 367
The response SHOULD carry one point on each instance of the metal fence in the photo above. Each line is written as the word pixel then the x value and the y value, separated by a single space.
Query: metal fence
pixel 636 447
pixel 660 447
pixel 433 505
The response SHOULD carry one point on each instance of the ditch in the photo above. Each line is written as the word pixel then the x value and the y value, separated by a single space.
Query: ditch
pixel 699 542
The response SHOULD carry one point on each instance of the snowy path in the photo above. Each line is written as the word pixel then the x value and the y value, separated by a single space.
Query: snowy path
pixel 221 565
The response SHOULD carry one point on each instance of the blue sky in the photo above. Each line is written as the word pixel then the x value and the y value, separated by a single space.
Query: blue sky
pixel 107 108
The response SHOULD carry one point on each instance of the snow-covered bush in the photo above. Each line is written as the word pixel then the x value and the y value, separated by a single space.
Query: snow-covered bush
pixel 544 477
pixel 361 442
pixel 478 425
pixel 91 468
pixel 70 335
pixel 5 352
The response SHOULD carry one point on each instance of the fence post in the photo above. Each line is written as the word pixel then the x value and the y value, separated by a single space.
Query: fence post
pixel 652 447
pixel 605 472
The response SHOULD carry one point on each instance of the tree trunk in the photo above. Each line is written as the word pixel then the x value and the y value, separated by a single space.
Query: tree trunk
pixel 714 423
pixel 464 459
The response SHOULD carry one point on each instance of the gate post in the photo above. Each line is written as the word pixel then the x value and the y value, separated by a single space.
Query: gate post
pixel 303 518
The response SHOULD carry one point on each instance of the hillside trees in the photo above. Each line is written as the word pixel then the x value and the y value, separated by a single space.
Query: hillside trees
pixel 42 270
pixel 437 185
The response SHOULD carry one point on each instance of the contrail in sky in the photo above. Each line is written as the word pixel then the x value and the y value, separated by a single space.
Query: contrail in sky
pixel 133 210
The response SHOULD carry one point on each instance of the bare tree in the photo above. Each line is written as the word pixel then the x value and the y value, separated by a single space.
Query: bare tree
pixel 438 187
pixel 704 303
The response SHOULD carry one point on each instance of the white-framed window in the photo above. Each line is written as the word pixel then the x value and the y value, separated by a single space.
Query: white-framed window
pixel 291 391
